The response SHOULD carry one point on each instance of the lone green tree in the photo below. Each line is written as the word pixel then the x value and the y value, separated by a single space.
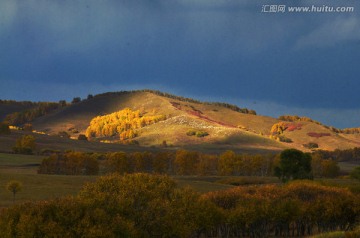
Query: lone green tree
pixel 294 164
pixel 14 187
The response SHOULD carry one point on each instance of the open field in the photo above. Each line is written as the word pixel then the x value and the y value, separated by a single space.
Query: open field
pixel 23 168
pixel 41 187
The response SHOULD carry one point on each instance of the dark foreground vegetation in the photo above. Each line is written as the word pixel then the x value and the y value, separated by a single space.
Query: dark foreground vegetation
pixel 144 205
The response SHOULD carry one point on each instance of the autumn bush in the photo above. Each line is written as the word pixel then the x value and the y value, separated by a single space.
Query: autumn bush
pixel 311 145
pixel 137 205
pixel 144 205
pixel 25 144
pixel 296 209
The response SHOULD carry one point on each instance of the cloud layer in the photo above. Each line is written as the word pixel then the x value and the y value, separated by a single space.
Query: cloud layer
pixel 205 48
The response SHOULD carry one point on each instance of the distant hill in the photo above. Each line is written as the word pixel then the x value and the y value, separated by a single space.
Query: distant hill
pixel 224 126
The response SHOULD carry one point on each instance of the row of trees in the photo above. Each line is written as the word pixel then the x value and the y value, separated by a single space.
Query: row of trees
pixel 41 109
pixel 290 164
pixel 70 163
pixel 295 118
pixel 122 123
pixel 143 205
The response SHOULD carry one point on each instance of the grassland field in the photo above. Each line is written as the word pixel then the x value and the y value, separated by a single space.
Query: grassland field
pixel 36 186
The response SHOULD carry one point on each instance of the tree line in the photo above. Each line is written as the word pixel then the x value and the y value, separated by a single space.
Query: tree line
pixel 340 155
pixel 39 109
pixel 144 205
pixel 181 162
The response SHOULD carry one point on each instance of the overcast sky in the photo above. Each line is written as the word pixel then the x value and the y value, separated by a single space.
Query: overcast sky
pixel 217 50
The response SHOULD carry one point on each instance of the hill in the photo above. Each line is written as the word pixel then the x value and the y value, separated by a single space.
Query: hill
pixel 221 126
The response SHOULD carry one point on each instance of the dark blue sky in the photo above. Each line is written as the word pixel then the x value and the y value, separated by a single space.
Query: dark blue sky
pixel 217 50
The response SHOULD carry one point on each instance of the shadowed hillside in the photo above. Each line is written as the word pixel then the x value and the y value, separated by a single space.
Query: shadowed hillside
pixel 9 106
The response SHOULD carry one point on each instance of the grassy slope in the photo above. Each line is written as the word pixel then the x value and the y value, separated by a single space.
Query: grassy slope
pixel 228 129
pixel 172 130
pixel 332 142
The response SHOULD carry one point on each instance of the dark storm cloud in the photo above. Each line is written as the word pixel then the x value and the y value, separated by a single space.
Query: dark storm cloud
pixel 203 48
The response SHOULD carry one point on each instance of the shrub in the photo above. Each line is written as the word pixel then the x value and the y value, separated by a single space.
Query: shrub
pixel 285 139
pixel 197 133
pixel 191 133
pixel 82 137
pixel 311 145
pixel 25 145
pixel 64 134
pixel 201 133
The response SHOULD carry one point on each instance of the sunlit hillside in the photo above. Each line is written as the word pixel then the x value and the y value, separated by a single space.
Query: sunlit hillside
pixel 187 123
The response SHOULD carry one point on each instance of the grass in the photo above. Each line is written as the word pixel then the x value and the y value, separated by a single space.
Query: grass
pixel 19 160
pixel 347 167
pixel 248 180
pixel 23 168
pixel 40 187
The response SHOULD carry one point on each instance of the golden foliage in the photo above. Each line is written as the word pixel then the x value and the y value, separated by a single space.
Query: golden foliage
pixel 123 123
pixel 278 128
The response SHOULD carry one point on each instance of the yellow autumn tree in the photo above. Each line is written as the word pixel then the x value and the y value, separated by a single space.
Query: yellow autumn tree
pixel 123 123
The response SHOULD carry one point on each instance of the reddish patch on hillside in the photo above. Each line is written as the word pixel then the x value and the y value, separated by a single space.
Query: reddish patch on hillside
pixel 199 115
pixel 318 135
pixel 294 126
